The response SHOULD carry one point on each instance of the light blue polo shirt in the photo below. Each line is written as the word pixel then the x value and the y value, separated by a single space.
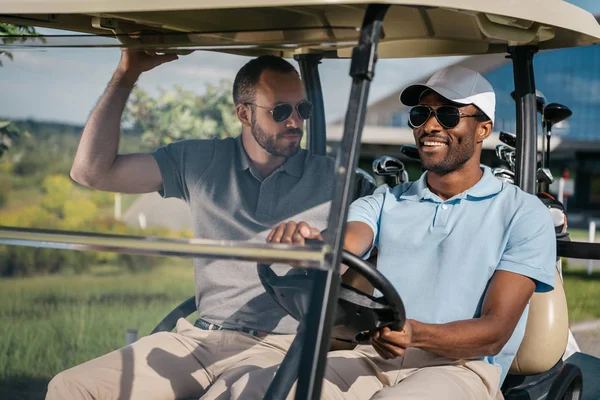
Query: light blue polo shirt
pixel 441 255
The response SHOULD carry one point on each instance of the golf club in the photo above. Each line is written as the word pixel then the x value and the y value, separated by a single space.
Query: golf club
pixel 390 166
pixel 508 138
pixel 410 151
pixel 553 114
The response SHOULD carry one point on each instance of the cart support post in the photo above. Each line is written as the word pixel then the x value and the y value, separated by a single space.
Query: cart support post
pixel 526 167
pixel 321 313
pixel 316 138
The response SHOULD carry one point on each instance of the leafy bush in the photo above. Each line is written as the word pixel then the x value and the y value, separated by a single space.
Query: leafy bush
pixel 5 188
pixel 67 207
pixel 58 189
pixel 182 114
pixel 27 261
pixel 30 164
pixel 102 199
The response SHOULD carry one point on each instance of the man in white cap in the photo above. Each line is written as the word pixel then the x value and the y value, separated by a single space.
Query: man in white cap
pixel 463 249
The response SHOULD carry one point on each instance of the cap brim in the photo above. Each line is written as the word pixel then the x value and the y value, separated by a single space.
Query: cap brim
pixel 411 96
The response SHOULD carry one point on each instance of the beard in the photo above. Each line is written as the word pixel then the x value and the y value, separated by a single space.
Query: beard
pixel 275 143
pixel 457 155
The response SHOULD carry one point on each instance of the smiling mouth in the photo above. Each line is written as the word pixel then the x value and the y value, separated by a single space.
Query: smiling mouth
pixel 433 144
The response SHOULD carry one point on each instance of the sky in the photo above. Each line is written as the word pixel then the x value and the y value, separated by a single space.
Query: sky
pixel 63 85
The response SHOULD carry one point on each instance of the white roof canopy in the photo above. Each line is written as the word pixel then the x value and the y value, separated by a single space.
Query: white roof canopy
pixel 288 27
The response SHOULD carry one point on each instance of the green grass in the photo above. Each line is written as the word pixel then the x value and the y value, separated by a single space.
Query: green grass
pixel 583 293
pixel 50 323
pixel 582 235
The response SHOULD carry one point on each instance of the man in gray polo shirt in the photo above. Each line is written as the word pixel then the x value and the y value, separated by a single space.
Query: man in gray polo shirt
pixel 237 189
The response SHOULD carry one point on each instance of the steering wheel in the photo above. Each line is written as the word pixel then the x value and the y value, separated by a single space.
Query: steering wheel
pixel 358 314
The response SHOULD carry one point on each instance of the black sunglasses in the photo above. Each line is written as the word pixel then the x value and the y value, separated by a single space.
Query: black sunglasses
pixel 448 116
pixel 283 111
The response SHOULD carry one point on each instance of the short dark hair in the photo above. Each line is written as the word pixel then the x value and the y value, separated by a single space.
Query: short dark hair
pixel 244 85
pixel 480 116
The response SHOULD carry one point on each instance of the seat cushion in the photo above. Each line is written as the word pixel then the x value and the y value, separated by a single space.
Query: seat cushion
pixel 546 333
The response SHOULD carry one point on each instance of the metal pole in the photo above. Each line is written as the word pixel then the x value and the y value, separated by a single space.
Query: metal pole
pixel 592 239
pixel 316 129
pixel 323 301
pixel 525 176
pixel 308 256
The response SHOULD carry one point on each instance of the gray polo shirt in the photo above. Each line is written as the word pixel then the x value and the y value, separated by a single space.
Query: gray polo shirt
pixel 229 201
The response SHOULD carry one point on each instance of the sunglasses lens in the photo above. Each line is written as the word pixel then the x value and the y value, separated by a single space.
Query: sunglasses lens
pixel 449 117
pixel 281 112
pixel 418 115
pixel 304 109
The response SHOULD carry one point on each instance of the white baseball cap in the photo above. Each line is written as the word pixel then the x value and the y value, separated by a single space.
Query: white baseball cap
pixel 458 84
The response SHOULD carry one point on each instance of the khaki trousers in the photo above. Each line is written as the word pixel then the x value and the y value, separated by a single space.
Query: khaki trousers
pixel 198 364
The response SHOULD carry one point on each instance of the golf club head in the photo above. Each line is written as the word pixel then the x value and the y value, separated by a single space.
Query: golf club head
pixel 410 151
pixel 540 101
pixel 390 166
pixel 510 157
pixel 555 113
pixel 504 175
pixel 508 138
pixel 501 150
pixel 366 175
pixel 544 175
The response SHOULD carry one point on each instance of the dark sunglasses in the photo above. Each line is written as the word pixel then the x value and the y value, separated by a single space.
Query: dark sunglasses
pixel 283 111
pixel 448 116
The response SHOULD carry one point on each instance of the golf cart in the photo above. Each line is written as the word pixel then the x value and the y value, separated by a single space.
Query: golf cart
pixel 311 31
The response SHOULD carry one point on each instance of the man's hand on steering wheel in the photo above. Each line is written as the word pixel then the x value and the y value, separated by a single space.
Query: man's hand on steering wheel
pixel 360 316
pixel 293 233
pixel 391 344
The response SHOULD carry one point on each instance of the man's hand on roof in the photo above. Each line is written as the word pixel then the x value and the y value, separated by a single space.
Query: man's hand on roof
pixel 134 61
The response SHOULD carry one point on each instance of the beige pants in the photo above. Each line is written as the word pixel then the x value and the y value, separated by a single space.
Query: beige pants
pixel 207 365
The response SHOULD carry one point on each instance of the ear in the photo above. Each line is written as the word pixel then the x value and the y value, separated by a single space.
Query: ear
pixel 484 130
pixel 244 114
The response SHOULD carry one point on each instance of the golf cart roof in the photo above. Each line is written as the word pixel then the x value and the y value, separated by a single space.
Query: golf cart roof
pixel 287 27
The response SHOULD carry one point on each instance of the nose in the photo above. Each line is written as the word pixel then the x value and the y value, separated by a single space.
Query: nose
pixel 294 121
pixel 432 124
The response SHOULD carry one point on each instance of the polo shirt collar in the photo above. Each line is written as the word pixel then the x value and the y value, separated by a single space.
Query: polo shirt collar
pixel 242 160
pixel 293 166
pixel 487 186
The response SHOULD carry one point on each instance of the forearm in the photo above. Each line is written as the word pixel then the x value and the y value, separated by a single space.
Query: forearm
pixel 358 240
pixel 99 144
pixel 466 339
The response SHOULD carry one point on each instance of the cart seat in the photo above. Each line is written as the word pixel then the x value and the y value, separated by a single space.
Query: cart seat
pixel 546 333
pixel 538 371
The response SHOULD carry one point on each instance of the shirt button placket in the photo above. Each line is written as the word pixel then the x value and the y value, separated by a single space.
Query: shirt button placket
pixel 443 211
pixel 265 197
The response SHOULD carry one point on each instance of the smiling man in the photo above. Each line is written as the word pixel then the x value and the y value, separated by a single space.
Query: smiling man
pixel 463 249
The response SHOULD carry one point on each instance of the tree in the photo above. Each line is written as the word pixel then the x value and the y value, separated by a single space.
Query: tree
pixel 182 114
pixel 10 34
pixel 8 133
pixel 14 33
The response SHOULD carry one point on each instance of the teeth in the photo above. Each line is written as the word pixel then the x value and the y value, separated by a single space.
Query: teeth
pixel 434 144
